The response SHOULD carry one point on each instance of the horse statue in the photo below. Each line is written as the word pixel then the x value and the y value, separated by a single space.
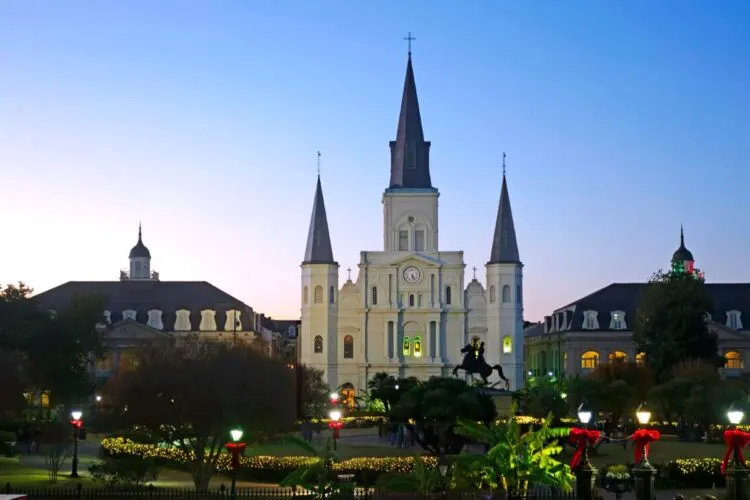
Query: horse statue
pixel 474 363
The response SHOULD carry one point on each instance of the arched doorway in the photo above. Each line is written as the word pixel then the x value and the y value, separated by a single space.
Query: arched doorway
pixel 348 393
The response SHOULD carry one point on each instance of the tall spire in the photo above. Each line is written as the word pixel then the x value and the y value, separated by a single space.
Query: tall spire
pixel 318 250
pixel 410 153
pixel 139 250
pixel 504 244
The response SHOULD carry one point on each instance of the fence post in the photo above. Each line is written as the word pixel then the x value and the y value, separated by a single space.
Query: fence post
pixel 7 487
pixel 79 490
pixel 585 477
pixel 737 481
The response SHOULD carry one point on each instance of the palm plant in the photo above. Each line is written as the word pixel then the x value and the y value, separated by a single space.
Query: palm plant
pixel 515 460
pixel 421 479
pixel 318 477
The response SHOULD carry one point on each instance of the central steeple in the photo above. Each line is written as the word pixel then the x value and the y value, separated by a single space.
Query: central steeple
pixel 410 153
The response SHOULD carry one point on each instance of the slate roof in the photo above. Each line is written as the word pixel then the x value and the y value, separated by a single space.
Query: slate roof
pixel 281 325
pixel 410 153
pixel 504 244
pixel 682 254
pixel 318 249
pixel 625 296
pixel 144 295
pixel 139 250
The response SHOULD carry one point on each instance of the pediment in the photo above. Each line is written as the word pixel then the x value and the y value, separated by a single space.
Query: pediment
pixel 128 329
pixel 416 259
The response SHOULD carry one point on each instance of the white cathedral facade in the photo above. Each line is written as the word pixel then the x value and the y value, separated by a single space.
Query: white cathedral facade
pixel 410 311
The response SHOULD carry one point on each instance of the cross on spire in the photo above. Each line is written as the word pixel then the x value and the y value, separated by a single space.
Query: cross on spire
pixel 349 271
pixel 504 155
pixel 318 163
pixel 409 39
pixel 475 271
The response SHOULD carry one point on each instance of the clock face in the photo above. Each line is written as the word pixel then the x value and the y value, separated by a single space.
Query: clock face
pixel 412 274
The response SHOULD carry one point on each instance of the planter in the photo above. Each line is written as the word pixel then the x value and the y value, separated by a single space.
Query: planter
pixel 618 486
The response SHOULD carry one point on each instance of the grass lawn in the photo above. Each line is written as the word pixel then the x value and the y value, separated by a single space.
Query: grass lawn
pixel 17 474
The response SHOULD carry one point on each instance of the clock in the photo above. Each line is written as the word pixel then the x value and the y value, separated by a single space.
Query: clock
pixel 412 274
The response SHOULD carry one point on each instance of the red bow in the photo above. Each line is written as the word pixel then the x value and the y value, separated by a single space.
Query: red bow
pixel 236 449
pixel 736 440
pixel 642 438
pixel 579 438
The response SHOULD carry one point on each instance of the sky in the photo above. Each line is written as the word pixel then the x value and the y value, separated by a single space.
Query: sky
pixel 202 119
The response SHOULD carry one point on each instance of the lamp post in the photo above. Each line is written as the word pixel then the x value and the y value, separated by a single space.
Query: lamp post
pixel 335 424
pixel 585 473
pixel 443 469
pixel 76 422
pixel 236 448
pixel 643 471
pixel 737 472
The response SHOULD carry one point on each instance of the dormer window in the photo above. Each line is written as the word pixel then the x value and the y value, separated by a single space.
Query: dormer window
pixel 707 317
pixel 108 317
pixel 233 321
pixel 292 332
pixel 208 320
pixel 182 321
pixel 590 320
pixel 734 320
pixel 130 314
pixel 154 319
pixel 617 320
pixel 563 321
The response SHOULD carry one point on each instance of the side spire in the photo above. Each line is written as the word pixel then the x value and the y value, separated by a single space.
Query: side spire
pixel 410 153
pixel 319 249
pixel 504 243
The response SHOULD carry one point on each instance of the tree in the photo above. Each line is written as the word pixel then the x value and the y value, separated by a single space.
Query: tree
pixel 671 322
pixel 623 386
pixel 192 392
pixel 429 410
pixel 314 391
pixel 388 389
pixel 12 382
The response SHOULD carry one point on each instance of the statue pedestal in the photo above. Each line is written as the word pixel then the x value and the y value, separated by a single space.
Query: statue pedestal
pixel 503 401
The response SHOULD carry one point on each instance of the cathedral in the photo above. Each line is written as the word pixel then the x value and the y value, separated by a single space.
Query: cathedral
pixel 410 311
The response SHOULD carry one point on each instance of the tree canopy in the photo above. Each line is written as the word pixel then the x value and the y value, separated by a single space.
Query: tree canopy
pixel 671 322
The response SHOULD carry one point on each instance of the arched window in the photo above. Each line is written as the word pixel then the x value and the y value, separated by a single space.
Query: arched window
pixel 590 359
pixel 617 357
pixel 507 345
pixel 347 395
pixel 306 295
pixel 318 344
pixel 44 399
pixel 417 347
pixel 733 360
pixel 332 295
pixel 374 295
pixel 448 295
pixel 411 300
pixel 348 347
pixel 492 294
pixel 318 294
pixel 406 346
pixel 640 358
pixel 506 293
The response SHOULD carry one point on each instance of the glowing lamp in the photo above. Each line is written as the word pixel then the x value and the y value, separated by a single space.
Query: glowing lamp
pixel 236 435
pixel 443 468
pixel 335 415
pixel 584 414
pixel 563 395
pixel 550 374
pixel 334 397
pixel 76 414
pixel 643 415
pixel 98 398
pixel 396 386
pixel 735 416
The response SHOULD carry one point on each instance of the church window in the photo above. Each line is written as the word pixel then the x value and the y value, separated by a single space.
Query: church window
pixel 419 240
pixel 411 154
pixel 433 339
pixel 733 360
pixel 154 319
pixel 403 240
pixel 374 295
pixel 348 347
pixel 318 344
pixel 507 345
pixel 419 300
pixel 208 320
pixel 617 321
pixel 332 295
pixel 318 294
pixel 733 320
pixel 305 295
pixel 506 294
pixel 590 359
pixel 590 321
pixel 406 346
pixel 417 347
pixel 411 300
pixel 617 357
pixel 448 295
pixel 129 314
pixel 492 294
pixel 390 339
pixel 182 321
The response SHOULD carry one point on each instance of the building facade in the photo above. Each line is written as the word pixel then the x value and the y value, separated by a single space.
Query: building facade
pixel 410 311
pixel 598 328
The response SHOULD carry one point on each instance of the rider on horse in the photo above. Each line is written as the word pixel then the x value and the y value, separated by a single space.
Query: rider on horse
pixel 474 362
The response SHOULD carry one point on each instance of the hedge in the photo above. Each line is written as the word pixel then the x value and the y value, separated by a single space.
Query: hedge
pixel 681 472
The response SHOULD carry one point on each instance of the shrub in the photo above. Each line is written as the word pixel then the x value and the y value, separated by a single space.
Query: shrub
pixel 125 471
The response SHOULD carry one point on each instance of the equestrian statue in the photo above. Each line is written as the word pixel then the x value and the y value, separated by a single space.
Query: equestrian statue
pixel 474 363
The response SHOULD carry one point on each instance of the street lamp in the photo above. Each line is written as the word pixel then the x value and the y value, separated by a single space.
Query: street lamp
pixel 735 416
pixel 585 472
pixel 236 448
pixel 643 415
pixel 643 471
pixel 443 468
pixel 335 424
pixel 334 397
pixel 76 422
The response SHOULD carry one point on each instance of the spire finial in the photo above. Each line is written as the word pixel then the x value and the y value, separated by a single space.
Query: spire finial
pixel 504 155
pixel 475 271
pixel 349 272
pixel 318 163
pixel 409 39
pixel 682 236
pixel 139 231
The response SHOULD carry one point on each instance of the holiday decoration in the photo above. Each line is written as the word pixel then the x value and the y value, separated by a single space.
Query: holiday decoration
pixel 641 439
pixel 581 438
pixel 736 440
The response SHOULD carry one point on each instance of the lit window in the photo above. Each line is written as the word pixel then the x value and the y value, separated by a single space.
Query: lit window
pixel 618 321
pixel 417 347
pixel 590 359
pixel 318 344
pixel 44 399
pixel 105 363
pixel 640 358
pixel 733 360
pixel 406 346
pixel 617 356
pixel 507 345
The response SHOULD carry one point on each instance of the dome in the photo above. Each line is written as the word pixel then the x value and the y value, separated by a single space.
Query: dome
pixel 139 250
pixel 682 254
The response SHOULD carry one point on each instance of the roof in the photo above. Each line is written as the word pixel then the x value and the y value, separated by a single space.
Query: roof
pixel 139 250
pixel 280 325
pixel 144 295
pixel 318 250
pixel 410 153
pixel 682 254
pixel 625 296
pixel 504 243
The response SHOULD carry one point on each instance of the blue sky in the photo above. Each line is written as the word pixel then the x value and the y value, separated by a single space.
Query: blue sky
pixel 621 120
